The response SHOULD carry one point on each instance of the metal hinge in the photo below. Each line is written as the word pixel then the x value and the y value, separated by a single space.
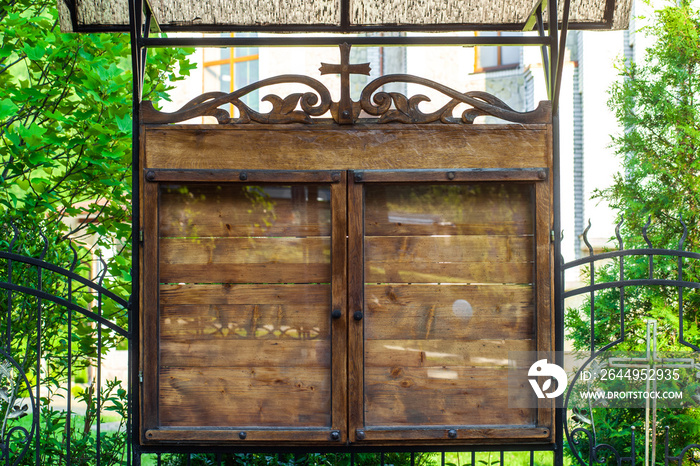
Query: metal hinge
pixel 140 377
pixel 141 236
pixel 551 235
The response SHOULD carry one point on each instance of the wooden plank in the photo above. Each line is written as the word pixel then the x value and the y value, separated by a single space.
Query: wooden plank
pixel 470 209
pixel 404 396
pixel 544 288
pixel 244 176
pixel 222 353
pixel 245 294
pixel 223 210
pixel 355 305
pixel 457 320
pixel 295 147
pixel 448 272
pixel 245 273
pixel 245 260
pixel 488 434
pixel 253 436
pixel 545 328
pixel 453 176
pixel 506 299
pixel 292 397
pixel 339 350
pixel 442 353
pixel 449 249
pixel 149 308
pixel 483 226
pixel 235 322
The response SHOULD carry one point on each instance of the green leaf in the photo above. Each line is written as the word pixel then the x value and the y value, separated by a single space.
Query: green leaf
pixel 7 108
pixel 124 124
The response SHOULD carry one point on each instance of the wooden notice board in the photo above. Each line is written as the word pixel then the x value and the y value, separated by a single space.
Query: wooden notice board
pixel 336 284
pixel 359 280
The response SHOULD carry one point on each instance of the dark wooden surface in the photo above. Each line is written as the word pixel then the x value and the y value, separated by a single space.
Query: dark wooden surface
pixel 245 292
pixel 437 274
pixel 293 147
pixel 355 307
pixel 149 314
pixel 444 311
pixel 339 264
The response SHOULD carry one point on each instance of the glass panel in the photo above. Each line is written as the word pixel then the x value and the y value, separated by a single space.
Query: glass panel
pixel 244 305
pixel 246 51
pixel 487 57
pixel 448 292
pixel 510 55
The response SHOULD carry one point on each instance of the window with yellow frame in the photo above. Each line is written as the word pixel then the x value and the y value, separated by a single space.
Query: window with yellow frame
pixel 496 58
pixel 229 69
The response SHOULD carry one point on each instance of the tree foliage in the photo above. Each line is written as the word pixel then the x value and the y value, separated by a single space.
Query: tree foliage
pixel 65 152
pixel 65 125
pixel 656 102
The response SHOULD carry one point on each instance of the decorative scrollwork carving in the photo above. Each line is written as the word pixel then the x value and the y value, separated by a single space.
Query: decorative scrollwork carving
pixel 387 106
pixel 13 381
pixel 599 452
pixel 406 109
pixel 312 104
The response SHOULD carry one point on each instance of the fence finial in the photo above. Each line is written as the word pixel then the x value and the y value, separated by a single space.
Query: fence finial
pixel 644 232
pixel 585 238
pixel 14 237
pixel 617 233
pixel 685 233
pixel 103 272
pixel 46 245
pixel 75 255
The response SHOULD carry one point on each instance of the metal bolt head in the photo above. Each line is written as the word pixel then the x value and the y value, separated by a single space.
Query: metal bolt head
pixel 335 177
pixel 345 114
pixel 541 174
pixel 452 433
pixel 335 435
pixel 358 177
pixel 242 435
pixel 336 313
pixel 357 315
pixel 243 176
pixel 360 435
pixel 150 175
pixel 450 175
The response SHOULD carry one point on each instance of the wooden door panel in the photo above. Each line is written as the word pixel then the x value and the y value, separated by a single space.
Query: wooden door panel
pixel 448 292
pixel 245 339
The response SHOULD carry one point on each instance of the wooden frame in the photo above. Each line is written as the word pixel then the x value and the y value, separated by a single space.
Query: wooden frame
pixel 153 431
pixel 362 155
pixel 360 431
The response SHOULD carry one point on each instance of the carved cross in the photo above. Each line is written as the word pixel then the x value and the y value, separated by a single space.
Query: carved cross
pixel 345 69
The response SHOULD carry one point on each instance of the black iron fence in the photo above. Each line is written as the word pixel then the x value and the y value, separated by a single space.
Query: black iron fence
pixel 59 406
pixel 627 287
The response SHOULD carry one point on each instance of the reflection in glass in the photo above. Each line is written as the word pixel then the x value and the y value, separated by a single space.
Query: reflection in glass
pixel 244 304
pixel 448 292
